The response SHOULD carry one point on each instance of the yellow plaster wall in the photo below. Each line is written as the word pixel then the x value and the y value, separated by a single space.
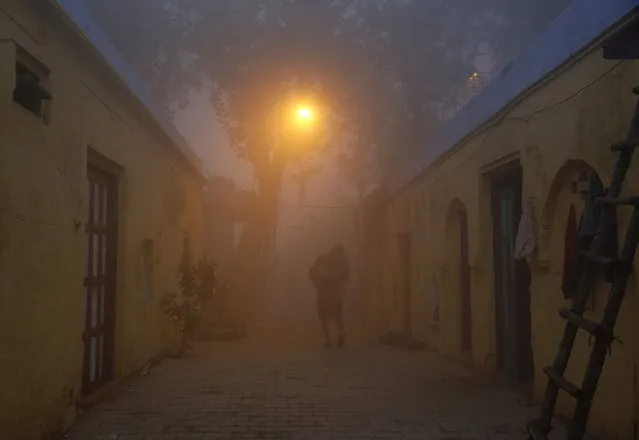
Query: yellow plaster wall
pixel 581 128
pixel 42 198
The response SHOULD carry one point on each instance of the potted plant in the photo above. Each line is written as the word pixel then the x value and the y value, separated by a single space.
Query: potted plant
pixel 197 284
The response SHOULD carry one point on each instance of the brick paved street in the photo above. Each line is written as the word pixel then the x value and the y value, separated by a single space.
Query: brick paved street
pixel 252 390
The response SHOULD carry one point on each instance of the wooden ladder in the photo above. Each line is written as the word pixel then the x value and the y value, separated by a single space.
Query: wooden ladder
pixel 621 267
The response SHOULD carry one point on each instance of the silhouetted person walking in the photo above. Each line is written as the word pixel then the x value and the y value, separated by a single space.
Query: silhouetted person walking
pixel 328 275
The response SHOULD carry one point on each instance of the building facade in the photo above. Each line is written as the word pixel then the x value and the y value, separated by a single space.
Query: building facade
pixel 526 146
pixel 97 192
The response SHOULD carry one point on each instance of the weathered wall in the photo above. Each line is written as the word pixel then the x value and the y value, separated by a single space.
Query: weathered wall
pixel 547 143
pixel 42 198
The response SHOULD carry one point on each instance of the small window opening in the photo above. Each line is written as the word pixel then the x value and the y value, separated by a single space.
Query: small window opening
pixel 30 92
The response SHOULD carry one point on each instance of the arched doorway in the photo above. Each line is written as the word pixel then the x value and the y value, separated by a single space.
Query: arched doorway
pixel 571 213
pixel 460 262
pixel 464 269
pixel 404 245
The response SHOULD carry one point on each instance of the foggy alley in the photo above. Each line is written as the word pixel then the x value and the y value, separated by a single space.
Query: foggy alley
pixel 455 179
pixel 296 390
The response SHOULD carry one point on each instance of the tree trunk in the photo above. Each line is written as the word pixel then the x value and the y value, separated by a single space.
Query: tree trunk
pixel 248 272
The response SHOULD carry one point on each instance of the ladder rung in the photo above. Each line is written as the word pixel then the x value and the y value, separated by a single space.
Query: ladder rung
pixel 535 432
pixel 599 259
pixel 594 328
pixel 624 145
pixel 629 201
pixel 562 382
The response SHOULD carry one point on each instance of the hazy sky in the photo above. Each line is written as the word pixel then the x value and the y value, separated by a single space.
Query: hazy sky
pixel 199 126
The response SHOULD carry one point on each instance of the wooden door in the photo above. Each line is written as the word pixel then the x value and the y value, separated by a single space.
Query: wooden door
pixel 512 278
pixel 100 278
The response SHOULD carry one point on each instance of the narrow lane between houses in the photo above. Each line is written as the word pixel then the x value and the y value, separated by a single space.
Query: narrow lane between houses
pixel 265 390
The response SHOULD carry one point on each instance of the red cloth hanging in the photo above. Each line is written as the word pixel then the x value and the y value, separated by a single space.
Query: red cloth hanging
pixel 570 250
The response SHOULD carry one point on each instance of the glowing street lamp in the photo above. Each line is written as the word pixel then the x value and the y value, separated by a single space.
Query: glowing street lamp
pixel 301 127
pixel 297 124
pixel 304 114
pixel 296 121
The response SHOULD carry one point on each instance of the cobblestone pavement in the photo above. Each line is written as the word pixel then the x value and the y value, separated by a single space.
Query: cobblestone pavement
pixel 250 390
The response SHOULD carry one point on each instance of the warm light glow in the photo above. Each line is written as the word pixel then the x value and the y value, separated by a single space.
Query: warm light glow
pixel 297 123
pixel 304 113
